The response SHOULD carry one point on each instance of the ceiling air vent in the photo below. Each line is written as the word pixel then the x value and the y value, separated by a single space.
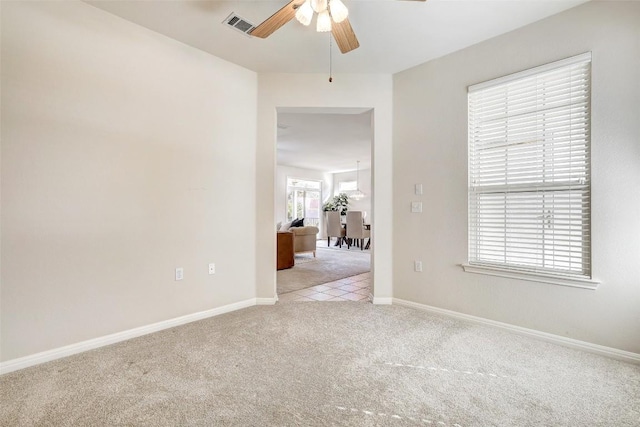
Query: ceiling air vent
pixel 239 24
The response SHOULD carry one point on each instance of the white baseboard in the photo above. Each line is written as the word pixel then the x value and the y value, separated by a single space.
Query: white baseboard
pixel 266 301
pixel 380 300
pixel 614 353
pixel 57 353
pixel 46 356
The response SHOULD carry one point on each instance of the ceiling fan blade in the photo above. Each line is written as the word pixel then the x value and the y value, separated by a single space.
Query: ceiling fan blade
pixel 344 36
pixel 277 20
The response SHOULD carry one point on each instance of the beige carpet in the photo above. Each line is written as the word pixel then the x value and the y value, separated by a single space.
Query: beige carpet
pixel 330 263
pixel 326 364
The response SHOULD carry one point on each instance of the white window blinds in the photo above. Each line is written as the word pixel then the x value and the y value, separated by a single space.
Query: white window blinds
pixel 529 170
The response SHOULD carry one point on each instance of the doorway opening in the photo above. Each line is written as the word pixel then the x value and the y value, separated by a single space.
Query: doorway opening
pixel 323 155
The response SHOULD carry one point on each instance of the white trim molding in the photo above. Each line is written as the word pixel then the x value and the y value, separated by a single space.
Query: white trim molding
pixel 611 352
pixel 69 350
pixel 380 300
pixel 583 57
pixel 267 301
pixel 532 277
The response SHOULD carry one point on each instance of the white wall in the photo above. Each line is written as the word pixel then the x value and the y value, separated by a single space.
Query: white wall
pixel 125 154
pixel 313 90
pixel 430 147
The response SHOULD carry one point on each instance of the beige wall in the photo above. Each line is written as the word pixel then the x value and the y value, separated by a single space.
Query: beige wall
pixel 313 90
pixel 125 154
pixel 430 147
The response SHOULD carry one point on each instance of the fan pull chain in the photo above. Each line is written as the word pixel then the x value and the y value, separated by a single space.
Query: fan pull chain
pixel 330 59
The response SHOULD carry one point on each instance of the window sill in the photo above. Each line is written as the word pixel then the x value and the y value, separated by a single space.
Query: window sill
pixel 533 277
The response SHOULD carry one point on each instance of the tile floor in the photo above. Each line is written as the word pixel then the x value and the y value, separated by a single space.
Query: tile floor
pixel 354 288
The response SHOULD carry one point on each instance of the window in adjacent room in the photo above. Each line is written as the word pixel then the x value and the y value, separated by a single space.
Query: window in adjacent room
pixel 529 171
pixel 347 186
pixel 303 200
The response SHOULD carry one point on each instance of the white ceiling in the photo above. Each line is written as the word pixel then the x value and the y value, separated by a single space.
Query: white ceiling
pixel 328 141
pixel 394 35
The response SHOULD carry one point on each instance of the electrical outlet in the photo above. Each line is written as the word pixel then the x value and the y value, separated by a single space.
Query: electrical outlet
pixel 212 268
pixel 417 266
pixel 179 273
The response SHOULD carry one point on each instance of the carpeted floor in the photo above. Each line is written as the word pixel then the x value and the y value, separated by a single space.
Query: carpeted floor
pixel 330 263
pixel 326 364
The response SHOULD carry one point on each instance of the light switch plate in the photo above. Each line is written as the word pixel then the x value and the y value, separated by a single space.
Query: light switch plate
pixel 418 189
pixel 179 273
pixel 212 268
pixel 416 207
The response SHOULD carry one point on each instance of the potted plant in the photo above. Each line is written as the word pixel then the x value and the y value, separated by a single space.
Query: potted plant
pixel 340 203
pixel 328 206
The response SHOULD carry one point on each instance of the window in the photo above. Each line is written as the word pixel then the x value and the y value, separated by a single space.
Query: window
pixel 303 200
pixel 529 171
pixel 347 186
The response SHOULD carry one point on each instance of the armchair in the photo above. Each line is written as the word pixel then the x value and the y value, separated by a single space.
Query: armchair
pixel 304 239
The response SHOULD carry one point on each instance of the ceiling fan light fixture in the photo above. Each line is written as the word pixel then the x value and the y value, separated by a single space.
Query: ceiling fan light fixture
pixel 319 5
pixel 324 22
pixel 304 14
pixel 339 11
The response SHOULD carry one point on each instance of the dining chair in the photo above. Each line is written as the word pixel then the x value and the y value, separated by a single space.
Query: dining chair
pixel 356 229
pixel 334 227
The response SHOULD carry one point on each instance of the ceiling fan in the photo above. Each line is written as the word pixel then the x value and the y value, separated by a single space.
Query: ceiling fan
pixel 332 16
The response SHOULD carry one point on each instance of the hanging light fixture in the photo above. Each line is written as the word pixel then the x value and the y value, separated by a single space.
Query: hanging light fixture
pixel 319 5
pixel 339 11
pixel 323 24
pixel 357 194
pixel 327 10
pixel 304 14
